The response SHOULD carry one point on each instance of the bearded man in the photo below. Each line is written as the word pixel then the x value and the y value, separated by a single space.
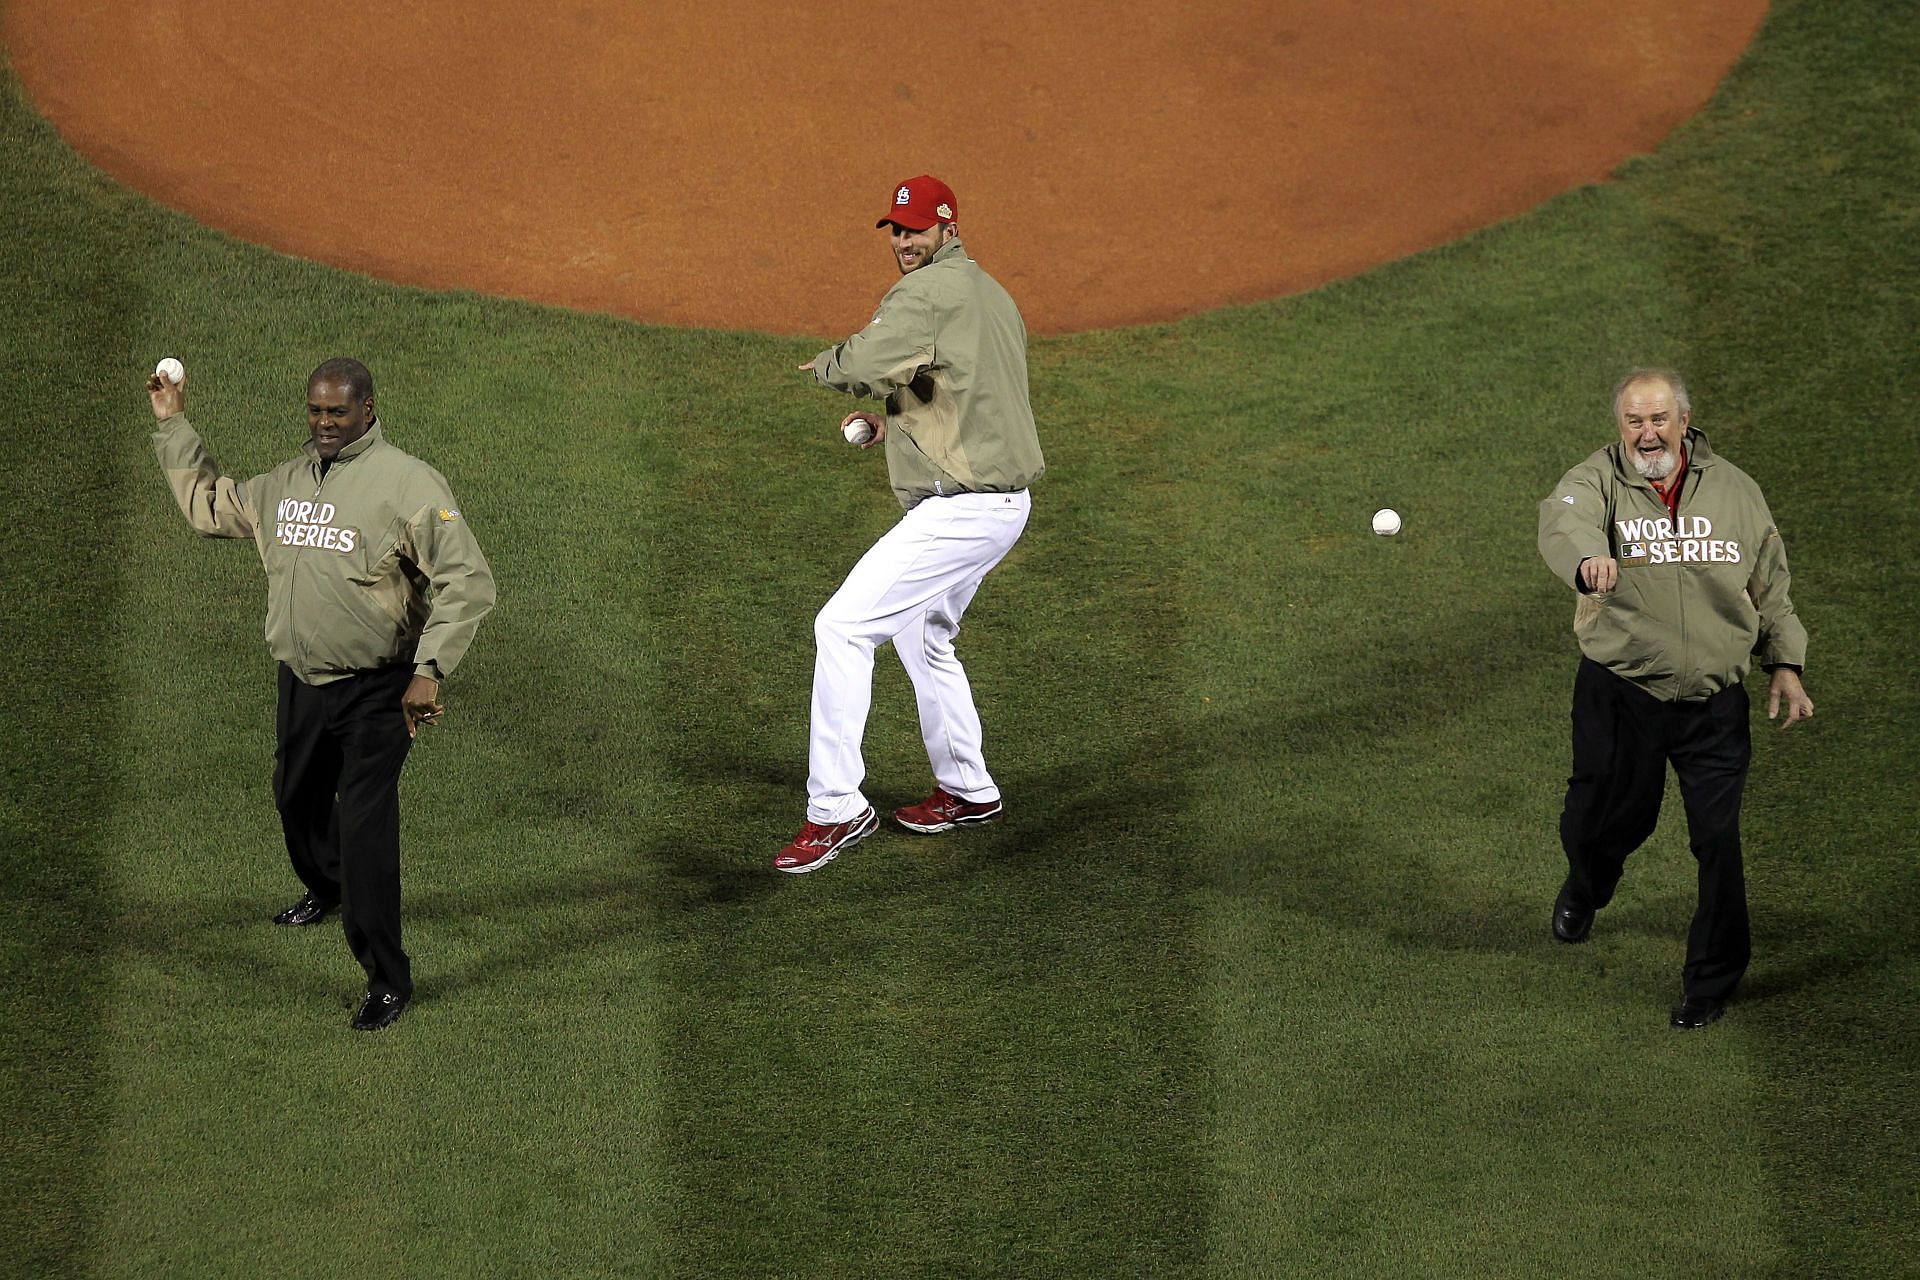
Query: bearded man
pixel 1682 580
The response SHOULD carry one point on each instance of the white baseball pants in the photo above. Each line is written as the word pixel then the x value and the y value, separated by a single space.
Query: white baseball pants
pixel 911 588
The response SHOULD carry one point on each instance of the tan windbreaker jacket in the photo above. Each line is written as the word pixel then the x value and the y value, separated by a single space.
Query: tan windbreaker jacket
pixel 370 566
pixel 947 351
pixel 1699 594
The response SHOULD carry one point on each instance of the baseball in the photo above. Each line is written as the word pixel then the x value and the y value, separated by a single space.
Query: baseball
pixel 858 431
pixel 172 370
pixel 1386 522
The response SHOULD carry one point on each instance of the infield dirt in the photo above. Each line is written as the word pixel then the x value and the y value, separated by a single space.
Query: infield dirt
pixel 723 164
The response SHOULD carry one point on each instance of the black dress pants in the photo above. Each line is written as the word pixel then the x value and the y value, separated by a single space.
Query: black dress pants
pixel 1622 741
pixel 336 780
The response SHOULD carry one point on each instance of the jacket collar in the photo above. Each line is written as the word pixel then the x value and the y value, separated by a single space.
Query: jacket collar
pixel 352 451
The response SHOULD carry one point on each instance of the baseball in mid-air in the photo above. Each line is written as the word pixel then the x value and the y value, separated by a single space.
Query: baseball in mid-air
pixel 172 370
pixel 857 431
pixel 1386 522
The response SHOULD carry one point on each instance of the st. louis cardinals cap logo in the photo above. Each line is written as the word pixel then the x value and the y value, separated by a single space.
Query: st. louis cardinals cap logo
pixel 920 202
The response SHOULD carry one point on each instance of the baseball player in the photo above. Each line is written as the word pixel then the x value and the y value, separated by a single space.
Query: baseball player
pixel 1682 582
pixel 947 354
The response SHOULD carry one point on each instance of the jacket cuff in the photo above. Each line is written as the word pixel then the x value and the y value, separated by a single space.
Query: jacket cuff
pixel 429 669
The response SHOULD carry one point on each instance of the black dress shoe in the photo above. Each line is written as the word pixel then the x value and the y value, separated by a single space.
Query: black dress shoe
pixel 1570 923
pixel 1694 1013
pixel 378 1011
pixel 311 909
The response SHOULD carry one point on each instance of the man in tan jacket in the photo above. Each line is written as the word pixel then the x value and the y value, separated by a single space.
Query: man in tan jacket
pixel 1682 579
pixel 947 354
pixel 375 586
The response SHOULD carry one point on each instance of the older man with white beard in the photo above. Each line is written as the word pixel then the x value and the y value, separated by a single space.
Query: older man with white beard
pixel 1682 580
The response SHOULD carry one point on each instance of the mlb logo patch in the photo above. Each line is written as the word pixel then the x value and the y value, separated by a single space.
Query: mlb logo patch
pixel 1633 553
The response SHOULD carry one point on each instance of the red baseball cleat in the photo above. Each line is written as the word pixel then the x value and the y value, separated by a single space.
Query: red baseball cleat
pixel 940 811
pixel 817 845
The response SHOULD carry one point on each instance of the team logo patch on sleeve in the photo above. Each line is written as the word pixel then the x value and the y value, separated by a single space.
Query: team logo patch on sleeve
pixel 449 514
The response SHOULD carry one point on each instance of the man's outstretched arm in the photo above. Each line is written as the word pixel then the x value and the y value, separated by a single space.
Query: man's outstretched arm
pixel 214 504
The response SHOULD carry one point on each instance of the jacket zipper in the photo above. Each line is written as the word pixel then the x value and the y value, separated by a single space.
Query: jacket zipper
pixel 1690 492
pixel 293 582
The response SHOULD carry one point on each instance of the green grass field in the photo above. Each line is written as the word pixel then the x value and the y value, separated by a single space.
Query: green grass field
pixel 1254 980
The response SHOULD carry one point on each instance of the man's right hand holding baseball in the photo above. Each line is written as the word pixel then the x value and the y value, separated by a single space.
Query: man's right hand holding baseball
pixel 168 397
pixel 873 420
pixel 1599 573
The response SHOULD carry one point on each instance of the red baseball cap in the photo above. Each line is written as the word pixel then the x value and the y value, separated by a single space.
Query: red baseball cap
pixel 918 203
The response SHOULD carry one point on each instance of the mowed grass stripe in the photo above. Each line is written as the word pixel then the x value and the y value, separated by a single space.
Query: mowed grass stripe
pixel 63 545
pixel 970 1054
pixel 1799 243
pixel 509 1122
pixel 1400 1049
pixel 1448 1092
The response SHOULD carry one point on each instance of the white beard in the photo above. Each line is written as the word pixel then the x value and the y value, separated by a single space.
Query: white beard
pixel 1659 469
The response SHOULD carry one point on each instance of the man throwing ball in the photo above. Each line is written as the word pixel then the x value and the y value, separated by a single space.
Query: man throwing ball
pixel 1682 579
pixel 375 587
pixel 947 354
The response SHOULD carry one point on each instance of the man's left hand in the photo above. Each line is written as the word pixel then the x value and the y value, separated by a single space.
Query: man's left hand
pixel 420 704
pixel 1786 684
